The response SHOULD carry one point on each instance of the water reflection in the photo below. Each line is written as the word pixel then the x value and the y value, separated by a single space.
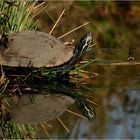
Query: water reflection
pixel 117 93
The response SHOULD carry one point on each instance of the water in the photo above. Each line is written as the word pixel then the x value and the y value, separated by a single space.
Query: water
pixel 115 91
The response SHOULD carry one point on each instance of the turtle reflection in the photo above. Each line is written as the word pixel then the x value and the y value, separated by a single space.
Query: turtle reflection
pixel 37 108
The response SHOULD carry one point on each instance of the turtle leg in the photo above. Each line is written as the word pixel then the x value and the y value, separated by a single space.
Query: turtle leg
pixel 4 41
pixel 66 68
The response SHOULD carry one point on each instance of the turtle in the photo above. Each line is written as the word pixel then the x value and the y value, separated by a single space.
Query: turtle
pixel 41 50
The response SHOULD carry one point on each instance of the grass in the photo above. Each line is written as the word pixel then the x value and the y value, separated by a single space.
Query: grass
pixel 16 16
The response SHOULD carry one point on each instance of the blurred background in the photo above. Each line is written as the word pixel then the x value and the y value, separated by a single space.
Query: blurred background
pixel 116 29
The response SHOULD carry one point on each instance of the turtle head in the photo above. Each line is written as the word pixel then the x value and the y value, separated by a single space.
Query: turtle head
pixel 79 50
pixel 81 47
pixel 84 42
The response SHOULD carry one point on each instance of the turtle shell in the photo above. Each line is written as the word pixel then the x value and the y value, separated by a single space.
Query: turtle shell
pixel 34 48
